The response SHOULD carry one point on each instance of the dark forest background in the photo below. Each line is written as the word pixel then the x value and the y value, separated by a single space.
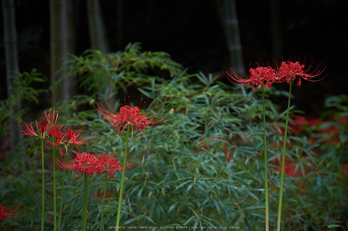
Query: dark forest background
pixel 192 32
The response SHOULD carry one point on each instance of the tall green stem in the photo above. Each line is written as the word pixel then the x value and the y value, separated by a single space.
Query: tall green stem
pixel 122 180
pixel 43 186
pixel 54 187
pixel 61 194
pixel 265 156
pixel 85 192
pixel 102 216
pixel 283 161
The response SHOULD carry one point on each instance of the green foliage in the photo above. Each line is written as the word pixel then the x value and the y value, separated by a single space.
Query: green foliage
pixel 122 69
pixel 201 167
pixel 23 92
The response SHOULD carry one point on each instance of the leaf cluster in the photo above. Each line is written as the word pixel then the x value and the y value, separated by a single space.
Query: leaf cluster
pixel 120 70
pixel 22 92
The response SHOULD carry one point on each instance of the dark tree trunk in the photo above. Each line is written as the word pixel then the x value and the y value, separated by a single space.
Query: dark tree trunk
pixel 96 27
pixel 228 15
pixel 11 57
pixel 62 43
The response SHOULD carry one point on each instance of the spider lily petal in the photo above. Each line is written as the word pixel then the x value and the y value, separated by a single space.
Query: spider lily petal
pixel 7 212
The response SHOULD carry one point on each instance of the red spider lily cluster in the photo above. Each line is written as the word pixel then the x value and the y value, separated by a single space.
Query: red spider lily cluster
pixel 266 76
pixel 49 127
pixel 7 212
pixel 290 168
pixel 90 164
pixel 301 125
pixel 293 171
pixel 83 162
pixel 56 135
pixel 128 116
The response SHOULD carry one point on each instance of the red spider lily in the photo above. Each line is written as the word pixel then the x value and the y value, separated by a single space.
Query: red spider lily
pixel 290 70
pixel 74 137
pixel 7 212
pixel 290 170
pixel 67 137
pixel 42 129
pixel 51 117
pixel 110 164
pixel 334 130
pixel 57 133
pixel 298 123
pixel 114 165
pixel 290 167
pixel 92 165
pixel 82 163
pixel 128 116
pixel 264 76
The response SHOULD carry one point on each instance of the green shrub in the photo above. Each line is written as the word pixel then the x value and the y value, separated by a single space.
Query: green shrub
pixel 202 167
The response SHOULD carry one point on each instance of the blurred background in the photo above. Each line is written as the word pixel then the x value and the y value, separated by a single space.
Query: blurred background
pixel 203 35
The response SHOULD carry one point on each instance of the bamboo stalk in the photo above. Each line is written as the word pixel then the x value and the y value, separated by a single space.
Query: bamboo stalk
pixel 232 35
pixel 61 46
pixel 12 68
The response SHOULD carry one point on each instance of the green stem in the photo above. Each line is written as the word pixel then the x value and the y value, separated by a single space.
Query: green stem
pixel 85 192
pixel 122 180
pixel 61 195
pixel 54 188
pixel 265 155
pixel 43 186
pixel 102 216
pixel 283 161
